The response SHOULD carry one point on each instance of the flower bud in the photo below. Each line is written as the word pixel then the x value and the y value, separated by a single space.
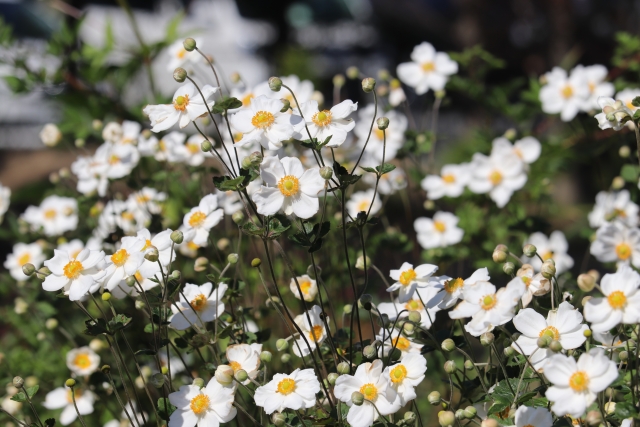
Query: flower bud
pixel 382 123
pixel 238 217
pixel 368 84
pixel 617 183
pixel 623 355
pixel 370 352
pixel 508 268
pixel 353 72
pixel 285 358
pixel 28 269
pixel 415 317
pixel 278 419
pixel 282 344
pixel 332 378
pixel 164 370
pixel 586 282
pixel 43 272
pixel 106 369
pixel 448 345
pixel 450 367
pixel 51 323
pixel 362 261
pixel 555 346
pixel 79 142
pixel 285 105
pixel 70 383
pixel 365 301
pixel 140 304
pixel 343 368
pixel 265 356
pixel 232 258
pixel 200 264
pixel 198 382
pixel 446 418
pixel 508 351
pixel 152 254
pixel 459 414
pixel 487 339
pixel 106 296
pixel 205 146
pixel 338 80
pixel 255 263
pixel 624 151
pixel 529 250
pixel 408 328
pixel 246 162
pixel 470 412
pixel 434 398
pixel 177 237
pixel 224 374
pixel 489 422
pixel 548 269
pixel 275 84
pixel 468 365
pixel 189 44
pixel 409 418
pixel 357 398
pixel 241 375
pixel 180 75
pixel 544 341
pixel 157 380
pixel 256 158
pixel 18 382
pixel 594 418
pixel 326 172
pixel 499 256
pixel 347 309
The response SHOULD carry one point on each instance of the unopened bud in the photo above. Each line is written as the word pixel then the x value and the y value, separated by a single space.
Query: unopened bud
pixel 106 369
pixel 206 146
pixel 224 374
pixel 617 183
pixel 180 75
pixel 232 258
pixel 362 262
pixel 175 275
pixel 382 123
pixel 177 237
pixel 246 162
pixel 487 339
pixel 285 358
pixel 434 398
pixel 275 84
pixel 106 296
pixel 446 418
pixel 285 105
pixel 43 272
pixel 368 84
pixel 241 375
pixel 409 417
pixel 468 365
pixel 278 419
pixel 282 344
pixel 164 370
pixel 265 356
pixel 343 368
pixel 235 77
pixel 18 382
pixel 157 380
pixel 586 282
pixel 189 44
pixel 594 418
pixel 152 254
pixel 79 142
pixel 353 72
pixel 332 378
pixel 370 352
pixel 450 367
pixel 238 217
pixel 347 309
pixel 499 256
pixel 28 269
pixel 544 341
pixel 624 151
pixel 357 398
pixel 587 333
pixel 326 172
pixel 51 323
pixel 529 250
pixel 448 345
pixel 508 268
pixel 338 80
pixel 459 414
pixel 256 158
pixel 548 269
pixel 624 355
pixel 365 301
pixel 70 383
pixel 415 317
pixel 470 412
pixel 555 346
pixel 198 382
pixel 255 263
pixel 508 351
pixel 200 264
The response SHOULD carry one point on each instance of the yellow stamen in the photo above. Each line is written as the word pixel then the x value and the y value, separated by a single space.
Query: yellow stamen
pixel 623 250
pixel 50 213
pixel 286 386
pixel 567 92
pixel 305 286
pixel 428 67
pixel 197 219
pixel 262 119
pixel 450 286
pixel 439 225
pixel 25 258
pixel 401 343
pixel 322 118
pixel 495 177
pixel 579 381
pixel 120 257
pixel 316 332
pixel 414 305
pixel 181 102
pixel 369 391
pixel 247 100
pixel 448 178
pixel 200 403
pixel 72 269
pixel 406 277
pixel 550 331
pixel 617 299
pixel 199 302
pixel 488 302
pixel 82 361
pixel 289 185
pixel 397 374
pixel 235 366
pixel 547 255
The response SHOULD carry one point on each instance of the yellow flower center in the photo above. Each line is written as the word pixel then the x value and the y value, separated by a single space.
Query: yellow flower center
pixel 406 277
pixel 25 258
pixel 181 53
pixel 379 134
pixel 567 92
pixel 197 219
pixel 579 381
pixel 623 250
pixel 142 199
pixel 247 100
pixel 289 185
pixel 369 391
pixel 526 280
pixel 286 386
pixel 193 148
pixel 428 67
pixel 113 159
pixel 82 361
pixel 50 213
pixel 316 332
pixel 397 374
pixel 617 299
pixel 439 225
pixel 305 286
pixel 495 177
pixel 448 178
pixel 363 206
pixel 200 403
pixel 550 331
pixel 181 102
pixel 235 366
pixel 128 216
pixel 547 255
pixel 138 277
pixel 147 244
pixel 199 302
pixel 262 119
pixel 487 302
pixel 120 257
pixel 414 305
pixel 630 105
pixel 401 343
pixel 394 84
pixel 322 118
pixel 450 286
pixel 72 269
pixel 193 246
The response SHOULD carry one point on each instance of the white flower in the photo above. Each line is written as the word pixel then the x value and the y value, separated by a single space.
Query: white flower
pixel 576 384
pixel 334 123
pixel 536 284
pixel 315 332
pixel 487 307
pixel 614 206
pixel 73 247
pixel 55 215
pixel 245 357
pixel 428 70
pixel 595 76
pixel 180 56
pixel 620 303
pixel 527 149
pixel 564 95
pixel 394 135
pixel 563 325
pixel 289 187
pixel 389 183
pixel 162 242
pixel 294 391
pixel 112 132
pixel 360 202
pixel 376 389
pixel 147 199
pixel 50 135
pixel 120 158
pixel 192 151
pixel 615 242
pixel 308 286
pixel 92 175
pixel 124 262
pixel 421 296
pixel 22 254
pixel 187 106
pixel 406 375
pixel 407 279
pixel 396 93
pixel 82 361
pixel 394 340
pixel 626 96
pixel 76 275
pixel 130 133
pixel 201 219
pixel 613 113
pixel 5 200
pixel 439 232
pixel 453 289
pixel 528 416
pixel 208 406
pixel 499 175
pixel 202 304
pixel 61 398
pixel 553 247
pixel 450 182
pixel 263 122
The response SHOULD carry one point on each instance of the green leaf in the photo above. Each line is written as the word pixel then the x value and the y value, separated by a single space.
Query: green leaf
pixel 227 104
pixel 19 397
pixel 372 170
pixel 636 101
pixel 526 397
pixel 97 327
pixel 32 390
pixel 500 403
pixel 165 409
pixel 625 409
pixel 629 173
pixel 251 229
pixel 148 328
pixel 50 422
pixel 119 322
pixel 226 183
pixel 385 168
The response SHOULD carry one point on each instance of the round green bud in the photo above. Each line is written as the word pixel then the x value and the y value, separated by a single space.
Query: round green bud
pixel 28 269
pixel 448 345
pixel 446 418
pixel 617 183
pixel 326 172
pixel 238 217
pixel 164 370
pixel 548 269
pixel 106 369
pixel 232 258
pixel 624 151
pixel 353 72
pixel 189 44
pixel 357 398
pixel 130 281
pixel 343 368
pixel 487 339
pixel 544 341
pixel 555 346
pixel 255 263
pixel 529 250
pixel 18 382
pixel 623 355
pixel 278 419
pixel 275 84
pixel 198 382
pixel 508 268
pixel 285 358
pixel 460 414
pixel 177 237
pixel 79 142
pixel 508 351
pixel 256 158
pixel 409 417
pixel 51 323
pixel 450 367
pixel 106 296
pixel 241 375
pixel 180 75
pixel 139 304
pixel 338 80
pixel 285 105
pixel 224 374
pixel 499 256
pixel 347 309
pixel 206 146
pixel 468 365
pixel 594 418
pixel 265 356
pixel 44 271
pixel 332 378
pixel 382 123
pixel 586 282
pixel 246 162
pixel 587 333
pixel 408 328
pixel 175 275
pixel 151 254
pixel 370 352
pixel 70 383
pixel 368 84
pixel 282 344
pixel 470 412
pixel 157 380
pixel 434 398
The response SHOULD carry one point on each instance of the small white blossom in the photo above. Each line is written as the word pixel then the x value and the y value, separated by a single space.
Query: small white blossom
pixel 564 94
pixel 201 219
pixel 22 254
pixel 55 215
pixel 75 275
pixel 406 375
pixel 536 284
pixel 315 332
pixel 500 175
pixel 613 113
pixel 616 243
pixel 186 107
pixel 554 247
pixel 180 57
pixel 407 279
pixel 421 296
pixel 208 406
pixel 294 391
pixel 428 70
pixel 245 357
pixel 60 398
pixel 360 201
pixel 124 262
pixel 308 286
pixel 451 181
pixel 620 303
pixel 334 123
pixel 438 232
pixel 82 361
pixel 614 206
pixel 595 76
pixel 50 135
pixel 197 305
pixel 528 416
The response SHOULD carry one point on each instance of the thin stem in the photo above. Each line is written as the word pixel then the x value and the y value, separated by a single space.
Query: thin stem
pixel 211 65
pixel 73 397
pixel 375 113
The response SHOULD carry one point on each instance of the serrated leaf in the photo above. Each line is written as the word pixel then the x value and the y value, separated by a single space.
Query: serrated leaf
pixel 385 168
pixel 252 229
pixel 526 397
pixel 32 390
pixel 19 397
pixel 372 170
pixel 625 409
pixel 94 328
